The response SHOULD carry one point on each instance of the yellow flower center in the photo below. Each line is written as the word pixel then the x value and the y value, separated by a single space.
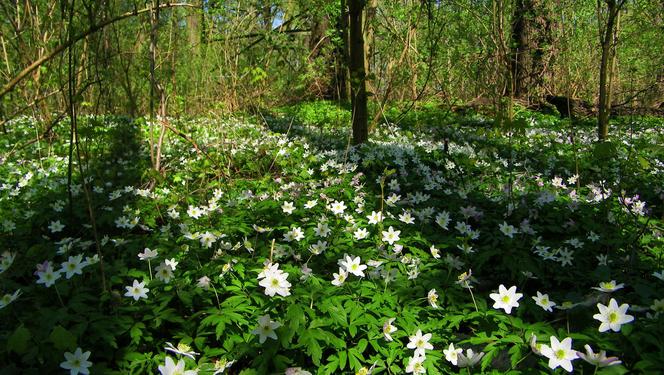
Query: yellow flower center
pixel 560 354
pixel 613 317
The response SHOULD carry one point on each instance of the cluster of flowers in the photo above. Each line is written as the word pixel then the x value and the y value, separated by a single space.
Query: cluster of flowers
pixel 48 275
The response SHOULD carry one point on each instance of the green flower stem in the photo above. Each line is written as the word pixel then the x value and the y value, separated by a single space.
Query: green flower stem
pixel 473 297
pixel 58 293
pixel 521 360
pixel 272 250
pixel 216 295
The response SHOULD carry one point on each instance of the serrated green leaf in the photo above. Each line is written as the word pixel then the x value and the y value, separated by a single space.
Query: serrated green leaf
pixel 309 340
pixel 516 354
pixel 295 317
pixel 136 332
pixel 488 357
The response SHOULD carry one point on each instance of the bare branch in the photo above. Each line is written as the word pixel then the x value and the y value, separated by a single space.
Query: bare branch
pixel 93 29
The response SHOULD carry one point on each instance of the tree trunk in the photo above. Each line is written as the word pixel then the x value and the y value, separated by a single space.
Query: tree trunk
pixel 358 73
pixel 318 42
pixel 194 33
pixel 369 37
pixel 609 36
pixel 343 55
pixel 412 58
pixel 531 48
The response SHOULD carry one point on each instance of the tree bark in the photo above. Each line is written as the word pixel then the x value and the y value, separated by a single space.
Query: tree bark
pixel 608 40
pixel 531 48
pixel 358 73
pixel 343 55
pixel 369 34
pixel 318 49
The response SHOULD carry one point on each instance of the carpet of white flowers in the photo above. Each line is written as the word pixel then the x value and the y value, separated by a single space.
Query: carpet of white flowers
pixel 271 247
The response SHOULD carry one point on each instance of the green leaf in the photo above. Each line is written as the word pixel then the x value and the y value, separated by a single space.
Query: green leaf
pixel 515 354
pixel 338 315
pixel 361 345
pixel 353 330
pixel 18 341
pixel 613 370
pixel 295 317
pixel 63 339
pixel 199 342
pixel 514 339
pixel 354 359
pixel 342 359
pixel 645 164
pixel 309 339
pixel 332 365
pixel 488 357
pixel 136 332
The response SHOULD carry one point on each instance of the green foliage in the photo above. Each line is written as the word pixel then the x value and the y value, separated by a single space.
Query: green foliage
pixel 319 114
pixel 219 216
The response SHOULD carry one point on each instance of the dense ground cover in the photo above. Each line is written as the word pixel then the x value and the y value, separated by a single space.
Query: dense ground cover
pixel 273 247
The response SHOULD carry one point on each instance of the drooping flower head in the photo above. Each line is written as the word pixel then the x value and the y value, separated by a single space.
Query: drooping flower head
pixel 388 329
pixel 598 359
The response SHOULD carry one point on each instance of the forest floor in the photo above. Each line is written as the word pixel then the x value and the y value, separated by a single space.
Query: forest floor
pixel 267 245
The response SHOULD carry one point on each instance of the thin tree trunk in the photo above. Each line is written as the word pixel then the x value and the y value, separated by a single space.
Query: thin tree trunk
pixel 412 58
pixel 343 56
pixel 369 38
pixel 358 73
pixel 608 40
pixel 318 42
pixel 154 24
